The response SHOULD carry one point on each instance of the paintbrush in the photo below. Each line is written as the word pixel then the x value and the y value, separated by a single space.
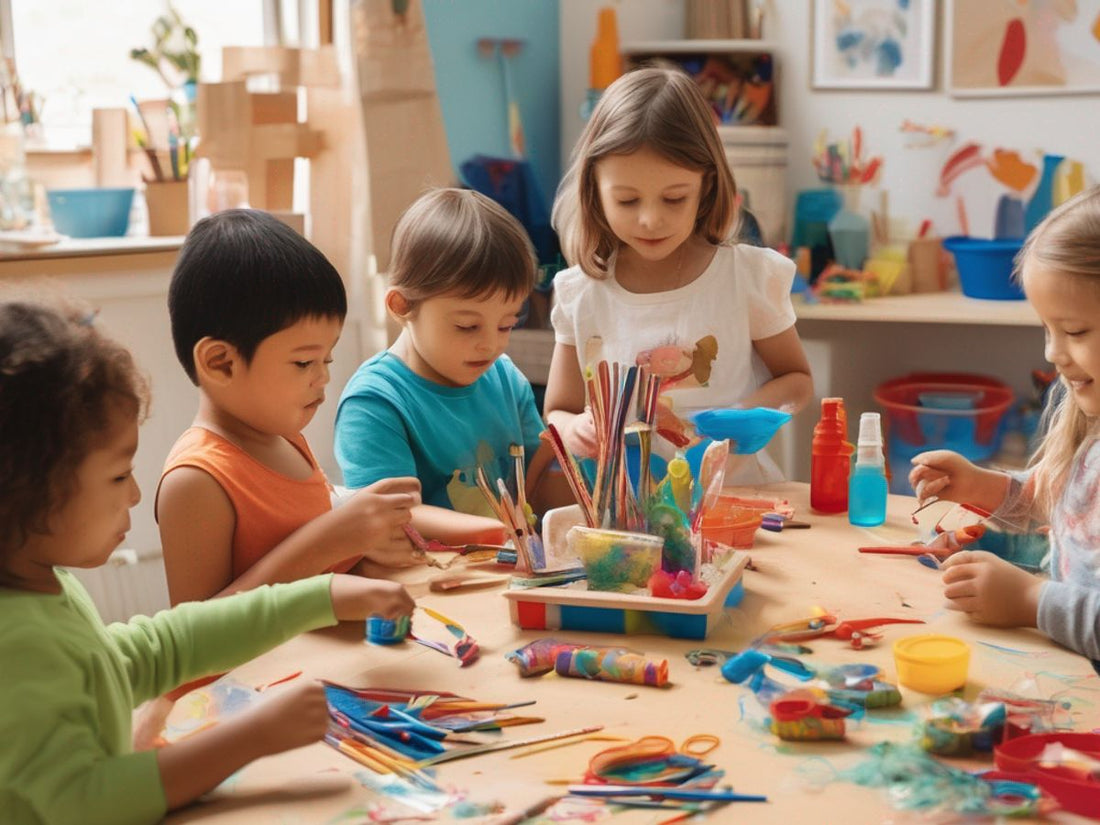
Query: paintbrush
pixel 477 750
pixel 516 451
pixel 713 795
pixel 528 813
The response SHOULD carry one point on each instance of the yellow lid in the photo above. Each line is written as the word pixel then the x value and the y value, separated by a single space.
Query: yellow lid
pixel 930 648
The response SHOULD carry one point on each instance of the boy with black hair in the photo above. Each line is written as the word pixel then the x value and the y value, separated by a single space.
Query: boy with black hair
pixel 256 311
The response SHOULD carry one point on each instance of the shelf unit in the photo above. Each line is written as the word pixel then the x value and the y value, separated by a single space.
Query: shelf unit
pixel 756 148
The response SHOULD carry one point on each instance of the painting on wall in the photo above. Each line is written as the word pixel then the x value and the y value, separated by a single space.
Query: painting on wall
pixel 1020 48
pixel 873 44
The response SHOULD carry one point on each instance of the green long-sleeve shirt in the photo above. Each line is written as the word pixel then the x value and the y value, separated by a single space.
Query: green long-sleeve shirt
pixel 68 685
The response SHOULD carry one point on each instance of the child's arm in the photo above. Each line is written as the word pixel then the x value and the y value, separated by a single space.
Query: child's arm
pixel 1070 615
pixel 791 386
pixel 565 402
pixel 296 716
pixel 56 765
pixel 992 591
pixel 946 474
pixel 197 522
pixel 452 527
pixel 292 718
pixel 201 638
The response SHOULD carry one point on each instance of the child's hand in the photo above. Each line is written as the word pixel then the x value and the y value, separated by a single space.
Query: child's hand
pixel 290 717
pixel 580 435
pixel 372 521
pixel 949 476
pixel 990 590
pixel 354 598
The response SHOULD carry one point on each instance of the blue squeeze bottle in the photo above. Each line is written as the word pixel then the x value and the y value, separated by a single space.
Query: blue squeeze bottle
pixel 867 485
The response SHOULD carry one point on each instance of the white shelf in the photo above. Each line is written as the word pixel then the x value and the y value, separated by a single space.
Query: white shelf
pixel 926 308
pixel 743 46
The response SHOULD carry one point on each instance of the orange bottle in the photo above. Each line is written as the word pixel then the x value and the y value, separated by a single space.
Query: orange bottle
pixel 830 460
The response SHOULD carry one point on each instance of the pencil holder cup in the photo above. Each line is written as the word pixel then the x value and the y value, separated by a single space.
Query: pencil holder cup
pixel 167 203
pixel 615 559
pixel 932 663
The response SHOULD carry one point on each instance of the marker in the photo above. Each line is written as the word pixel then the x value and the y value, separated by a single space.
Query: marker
pixel 664 793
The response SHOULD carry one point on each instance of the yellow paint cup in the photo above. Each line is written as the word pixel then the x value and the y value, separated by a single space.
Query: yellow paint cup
pixel 932 663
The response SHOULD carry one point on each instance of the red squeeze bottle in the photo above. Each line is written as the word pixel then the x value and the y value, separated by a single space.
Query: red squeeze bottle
pixel 830 459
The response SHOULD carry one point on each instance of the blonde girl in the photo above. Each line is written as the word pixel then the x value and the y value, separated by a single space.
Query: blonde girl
pixel 645 214
pixel 1059 267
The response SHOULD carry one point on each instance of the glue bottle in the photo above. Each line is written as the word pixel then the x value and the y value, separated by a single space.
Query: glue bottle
pixel 867 489
pixel 830 459
pixel 605 63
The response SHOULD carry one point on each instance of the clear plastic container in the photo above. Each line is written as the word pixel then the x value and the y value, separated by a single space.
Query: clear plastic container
pixel 615 559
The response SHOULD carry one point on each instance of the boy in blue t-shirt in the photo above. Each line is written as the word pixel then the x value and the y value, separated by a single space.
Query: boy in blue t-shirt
pixel 444 399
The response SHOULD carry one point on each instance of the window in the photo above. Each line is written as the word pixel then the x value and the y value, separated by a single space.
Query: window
pixel 76 54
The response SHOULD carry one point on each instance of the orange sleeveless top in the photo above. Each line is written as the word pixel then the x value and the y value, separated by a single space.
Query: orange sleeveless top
pixel 269 506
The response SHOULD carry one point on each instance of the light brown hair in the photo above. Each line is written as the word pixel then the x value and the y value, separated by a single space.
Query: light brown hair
pixel 459 241
pixel 659 109
pixel 1066 241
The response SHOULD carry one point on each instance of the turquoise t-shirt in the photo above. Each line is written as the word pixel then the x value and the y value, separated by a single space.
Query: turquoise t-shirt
pixel 391 422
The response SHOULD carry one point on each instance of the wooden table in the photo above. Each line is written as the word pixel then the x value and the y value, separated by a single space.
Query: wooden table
pixel 795 570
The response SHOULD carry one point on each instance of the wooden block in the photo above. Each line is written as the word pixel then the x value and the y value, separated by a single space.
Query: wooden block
pixel 110 138
pixel 285 140
pixel 295 220
pixel 279 185
pixel 394 58
pixel 320 68
pixel 240 62
pixel 274 107
pixel 224 121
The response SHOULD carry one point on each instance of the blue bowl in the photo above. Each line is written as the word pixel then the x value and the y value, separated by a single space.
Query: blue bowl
pixel 91 213
pixel 985 267
pixel 749 431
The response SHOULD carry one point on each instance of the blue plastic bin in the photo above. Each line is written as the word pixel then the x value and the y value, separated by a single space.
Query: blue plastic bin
pixel 91 213
pixel 985 267
pixel 941 411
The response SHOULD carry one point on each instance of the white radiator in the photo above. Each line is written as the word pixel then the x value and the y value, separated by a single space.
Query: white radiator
pixel 131 582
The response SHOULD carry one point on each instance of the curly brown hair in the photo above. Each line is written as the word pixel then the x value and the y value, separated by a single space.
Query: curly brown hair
pixel 63 385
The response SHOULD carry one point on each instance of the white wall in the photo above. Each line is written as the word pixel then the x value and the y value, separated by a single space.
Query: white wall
pixel 1066 125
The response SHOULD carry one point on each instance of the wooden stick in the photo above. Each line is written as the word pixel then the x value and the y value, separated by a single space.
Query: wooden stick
pixel 477 750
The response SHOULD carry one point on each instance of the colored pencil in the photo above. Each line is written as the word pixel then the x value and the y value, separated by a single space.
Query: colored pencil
pixel 477 750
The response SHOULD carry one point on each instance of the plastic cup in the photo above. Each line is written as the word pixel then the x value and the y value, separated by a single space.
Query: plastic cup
pixel 932 663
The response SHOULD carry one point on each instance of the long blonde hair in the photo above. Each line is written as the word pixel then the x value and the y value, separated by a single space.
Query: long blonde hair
pixel 655 108
pixel 1066 241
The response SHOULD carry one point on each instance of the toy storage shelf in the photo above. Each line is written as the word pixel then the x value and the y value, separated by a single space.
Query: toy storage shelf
pixel 743 46
pixel 925 308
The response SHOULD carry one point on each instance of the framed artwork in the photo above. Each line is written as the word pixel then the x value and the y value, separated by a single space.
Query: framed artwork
pixel 873 44
pixel 997 48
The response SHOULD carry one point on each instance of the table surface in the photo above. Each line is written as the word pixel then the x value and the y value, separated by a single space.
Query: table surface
pixel 794 571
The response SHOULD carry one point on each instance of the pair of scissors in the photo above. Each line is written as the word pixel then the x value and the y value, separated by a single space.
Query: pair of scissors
pixel 856 632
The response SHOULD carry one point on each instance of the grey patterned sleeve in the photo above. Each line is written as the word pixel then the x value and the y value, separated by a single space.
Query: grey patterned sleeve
pixel 1019 512
pixel 1070 615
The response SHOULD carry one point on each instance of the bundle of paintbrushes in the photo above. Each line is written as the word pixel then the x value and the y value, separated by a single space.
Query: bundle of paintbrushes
pixel 391 731
pixel 623 401
pixel 515 514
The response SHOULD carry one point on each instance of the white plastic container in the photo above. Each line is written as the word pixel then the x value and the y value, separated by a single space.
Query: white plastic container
pixel 757 156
